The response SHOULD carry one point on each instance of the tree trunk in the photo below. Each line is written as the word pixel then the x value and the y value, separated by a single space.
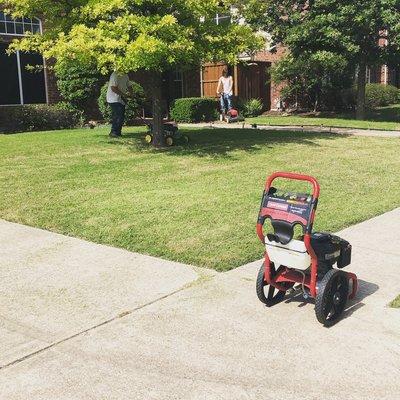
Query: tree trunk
pixel 361 82
pixel 158 135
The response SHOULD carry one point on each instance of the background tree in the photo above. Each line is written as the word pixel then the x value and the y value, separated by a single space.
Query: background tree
pixel 79 86
pixel 318 81
pixel 130 35
pixel 361 32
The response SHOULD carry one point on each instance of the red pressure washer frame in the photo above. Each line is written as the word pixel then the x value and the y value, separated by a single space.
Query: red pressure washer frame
pixel 286 274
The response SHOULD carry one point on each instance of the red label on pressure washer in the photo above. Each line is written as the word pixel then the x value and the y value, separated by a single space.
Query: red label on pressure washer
pixel 277 206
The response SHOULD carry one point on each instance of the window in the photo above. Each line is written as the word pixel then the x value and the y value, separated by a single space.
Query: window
pixel 18 84
pixel 18 26
pixel 178 84
pixel 223 19
pixel 9 83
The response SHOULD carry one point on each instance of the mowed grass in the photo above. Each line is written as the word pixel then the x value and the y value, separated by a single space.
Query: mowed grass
pixel 197 204
pixel 384 118
pixel 396 302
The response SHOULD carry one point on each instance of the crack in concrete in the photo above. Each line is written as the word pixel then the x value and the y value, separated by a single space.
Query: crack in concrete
pixel 92 328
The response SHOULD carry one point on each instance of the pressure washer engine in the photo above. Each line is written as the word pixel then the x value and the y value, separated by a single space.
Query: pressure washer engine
pixel 330 249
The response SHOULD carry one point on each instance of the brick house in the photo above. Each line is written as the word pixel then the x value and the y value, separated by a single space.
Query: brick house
pixel 251 75
pixel 20 86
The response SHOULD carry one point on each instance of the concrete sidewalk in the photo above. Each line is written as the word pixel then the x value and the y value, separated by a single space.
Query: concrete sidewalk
pixel 295 128
pixel 83 321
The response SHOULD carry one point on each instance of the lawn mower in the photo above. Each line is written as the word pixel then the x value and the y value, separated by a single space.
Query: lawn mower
pixel 171 134
pixel 308 260
pixel 233 116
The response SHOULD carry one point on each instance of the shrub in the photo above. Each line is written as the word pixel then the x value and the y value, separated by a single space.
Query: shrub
pixel 378 95
pixel 133 108
pixel 194 109
pixel 37 117
pixel 79 84
pixel 252 108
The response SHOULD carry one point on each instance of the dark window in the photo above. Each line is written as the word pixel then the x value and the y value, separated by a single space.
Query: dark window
pixel 18 26
pixel 9 84
pixel 33 82
pixel 10 28
pixel 223 19
pixel 178 85
pixel 32 79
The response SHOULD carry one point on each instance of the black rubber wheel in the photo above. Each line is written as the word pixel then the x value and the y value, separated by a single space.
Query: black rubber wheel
pixel 273 295
pixel 332 295
pixel 169 140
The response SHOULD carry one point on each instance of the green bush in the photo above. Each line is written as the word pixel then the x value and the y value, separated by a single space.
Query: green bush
pixel 378 95
pixel 252 108
pixel 133 108
pixel 79 84
pixel 37 118
pixel 194 109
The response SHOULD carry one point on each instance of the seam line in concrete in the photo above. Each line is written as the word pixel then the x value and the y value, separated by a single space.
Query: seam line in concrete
pixel 92 328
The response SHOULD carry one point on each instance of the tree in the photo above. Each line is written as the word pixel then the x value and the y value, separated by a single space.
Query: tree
pixel 131 35
pixel 79 85
pixel 362 32
pixel 317 80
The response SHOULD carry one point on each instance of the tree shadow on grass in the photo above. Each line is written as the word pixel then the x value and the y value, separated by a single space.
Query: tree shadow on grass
pixel 221 143
pixel 383 114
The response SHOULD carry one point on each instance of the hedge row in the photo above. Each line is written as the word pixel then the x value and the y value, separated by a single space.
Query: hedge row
pixel 38 117
pixel 378 95
pixel 194 109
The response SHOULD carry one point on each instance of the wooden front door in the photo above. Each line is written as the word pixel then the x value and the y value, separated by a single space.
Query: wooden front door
pixel 254 82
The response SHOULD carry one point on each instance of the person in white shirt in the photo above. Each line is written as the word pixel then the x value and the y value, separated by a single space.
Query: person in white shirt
pixel 119 88
pixel 225 91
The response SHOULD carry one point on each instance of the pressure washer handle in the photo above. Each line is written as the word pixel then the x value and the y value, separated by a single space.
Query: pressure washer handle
pixel 294 176
pixel 290 176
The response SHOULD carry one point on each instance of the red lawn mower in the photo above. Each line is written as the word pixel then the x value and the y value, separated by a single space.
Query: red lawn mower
pixel 308 261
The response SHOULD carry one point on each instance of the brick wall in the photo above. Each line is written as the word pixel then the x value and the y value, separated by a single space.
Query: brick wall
pixel 53 95
pixel 273 57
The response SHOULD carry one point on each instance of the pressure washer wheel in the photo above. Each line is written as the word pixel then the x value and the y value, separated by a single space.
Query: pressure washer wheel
pixel 332 295
pixel 273 296
pixel 148 138
pixel 169 140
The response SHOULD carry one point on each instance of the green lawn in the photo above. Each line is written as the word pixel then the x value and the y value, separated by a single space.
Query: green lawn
pixel 396 302
pixel 197 204
pixel 385 118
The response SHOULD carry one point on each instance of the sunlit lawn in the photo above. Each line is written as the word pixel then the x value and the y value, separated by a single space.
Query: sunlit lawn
pixel 385 118
pixel 396 302
pixel 196 204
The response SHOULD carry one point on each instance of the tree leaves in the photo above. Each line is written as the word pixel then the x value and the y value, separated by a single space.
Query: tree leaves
pixel 128 35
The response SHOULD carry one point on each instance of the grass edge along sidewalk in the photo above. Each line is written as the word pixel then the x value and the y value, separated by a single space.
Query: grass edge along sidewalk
pixel 396 302
pixel 384 118
pixel 195 204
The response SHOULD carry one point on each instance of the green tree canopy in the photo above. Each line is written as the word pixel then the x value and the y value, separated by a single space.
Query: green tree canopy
pixel 131 35
pixel 360 32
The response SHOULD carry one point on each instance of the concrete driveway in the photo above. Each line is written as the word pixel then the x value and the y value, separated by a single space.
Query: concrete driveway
pixel 83 321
